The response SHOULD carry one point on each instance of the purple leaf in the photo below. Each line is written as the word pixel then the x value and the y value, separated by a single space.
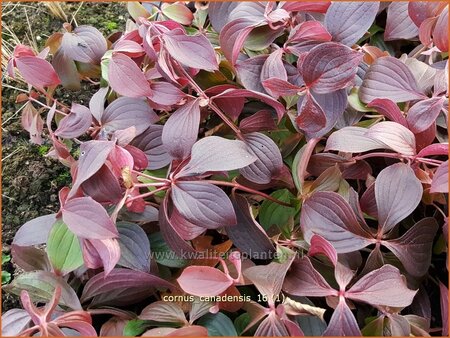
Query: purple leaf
pixel 30 258
pixel 394 136
pixel 421 10
pixel 440 179
pixel 15 321
pixel 203 204
pixel 103 186
pixel 165 94
pixel 126 78
pixel 274 67
pixel 237 93
pixel 342 322
pixel 260 121
pixel 151 144
pixel 183 227
pixel 422 115
pixel 76 123
pixel 434 149
pixel 214 153
pixel 247 235
pixel 121 287
pixel 181 130
pixel 309 31
pixel 269 161
pixel 272 326
pixel 303 280
pixel 277 87
pixel 35 231
pixel 170 232
pixel 397 192
pixel 329 215
pixel 440 32
pixel 37 72
pixel 85 44
pixel 161 311
pixel 330 66
pixel 444 308
pixel 126 112
pixel 398 23
pixel 97 103
pixel 87 218
pixel 384 286
pixel 348 21
pixel 67 70
pixel 232 37
pixel 389 109
pixel 249 72
pixel 204 281
pixel 134 247
pixel 194 51
pixel 93 155
pixel 320 245
pixel 99 253
pixel 389 78
pixel 413 249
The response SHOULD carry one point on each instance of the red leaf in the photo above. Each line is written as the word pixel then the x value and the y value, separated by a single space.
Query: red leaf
pixel 348 21
pixel 126 78
pixel 204 281
pixel 330 66
pixel 181 130
pixel 165 94
pixel 320 245
pixel 277 87
pixel 232 37
pixel 309 31
pixel 310 6
pixel 194 51
pixel 87 218
pixel 389 109
pixel 37 72
pixel 440 33
pixel 423 114
pixel 260 121
pixel 342 322
pixel 440 179
pixel 311 117
pixel 434 149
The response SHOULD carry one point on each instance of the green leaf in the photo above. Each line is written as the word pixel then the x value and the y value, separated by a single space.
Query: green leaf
pixel 272 213
pixel 355 102
pixel 162 253
pixel 63 248
pixel 135 327
pixel 6 277
pixel 218 325
pixel 241 322
pixel 5 258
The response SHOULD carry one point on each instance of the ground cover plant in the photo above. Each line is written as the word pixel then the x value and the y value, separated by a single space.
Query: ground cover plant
pixel 244 168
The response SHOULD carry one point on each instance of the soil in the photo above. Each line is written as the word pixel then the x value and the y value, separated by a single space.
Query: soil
pixel 31 181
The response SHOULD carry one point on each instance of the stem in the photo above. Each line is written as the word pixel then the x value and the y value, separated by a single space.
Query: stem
pixel 159 179
pixel 236 185
pixel 391 155
pixel 430 160
pixel 144 185
pixel 148 194
pixel 44 105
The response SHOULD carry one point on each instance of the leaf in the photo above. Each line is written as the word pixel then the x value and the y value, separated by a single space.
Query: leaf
pixel 342 322
pixel 398 23
pixel 424 113
pixel 194 51
pixel 348 21
pixel 15 321
pixel 272 326
pixel 384 286
pixel 269 162
pixel 134 247
pixel 30 258
pixel 310 6
pixel 85 44
pixel 204 281
pixel 162 253
pixel 37 72
pixel 352 140
pixel 97 103
pixel 126 78
pixel 389 109
pixel 434 149
pixel 181 130
pixel 397 193
pixel 277 87
pixel 67 70
pixel 218 325
pixel 307 31
pixel 319 245
pixel 413 249
pixel 203 204
pixel 247 235
pixel 151 144
pixel 41 287
pixel 260 121
pixel 76 123
pixel 440 33
pixel 63 249
pixel 329 215
pixel 311 117
pixel 165 94
pixel 268 279
pixel 93 155
pixel 214 153
pixel 444 308
pixel 126 112
pixel 87 218
pixel 272 213
pixel 161 311
pixel 179 13
pixel 121 287
pixel 440 179
pixel 232 37
pixel 248 72
pixel 304 280
pixel 35 231
pixel 134 327
pixel 389 78
pixel 330 66
pixel 395 136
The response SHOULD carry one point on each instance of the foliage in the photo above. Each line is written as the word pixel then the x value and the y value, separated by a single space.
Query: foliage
pixel 236 159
